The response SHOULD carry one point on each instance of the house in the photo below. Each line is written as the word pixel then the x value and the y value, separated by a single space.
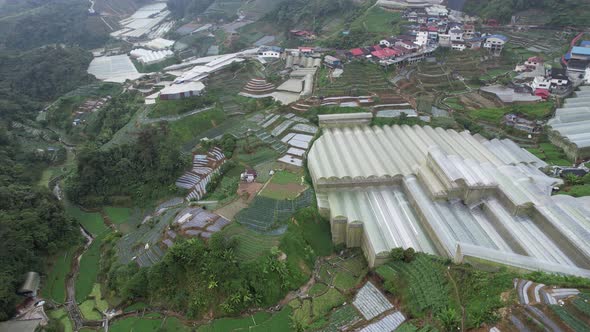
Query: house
pixel 249 175
pixel 407 44
pixel 357 52
pixel 521 124
pixel 444 40
pixel 540 82
pixel 474 43
pixel 182 90
pixel 533 62
pixel 495 43
pixel 332 62
pixel 387 42
pixel 303 34
pixel 580 53
pixel 559 78
pixel 270 52
pixel 456 34
pixel 422 38
pixel 468 31
pixel 306 49
pixel 543 93
pixel 30 285
pixel 386 53
pixel 458 45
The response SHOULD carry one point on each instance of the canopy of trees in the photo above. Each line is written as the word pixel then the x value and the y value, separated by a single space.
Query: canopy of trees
pixel 188 8
pixel 561 12
pixel 38 23
pixel 199 278
pixel 32 222
pixel 141 171
pixel 39 75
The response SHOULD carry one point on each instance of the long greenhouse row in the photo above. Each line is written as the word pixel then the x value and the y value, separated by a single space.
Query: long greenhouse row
pixel 447 193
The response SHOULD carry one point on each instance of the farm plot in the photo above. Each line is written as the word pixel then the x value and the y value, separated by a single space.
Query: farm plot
pixel 283 185
pixel 358 79
pixel 264 213
pixel 147 324
pixel 62 316
pixel 251 245
pixel 54 287
pixel 91 221
pixel 149 232
pixel 550 154
pixel 118 215
pixel 89 265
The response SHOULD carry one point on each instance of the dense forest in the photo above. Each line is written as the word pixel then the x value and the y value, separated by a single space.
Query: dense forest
pixel 198 278
pixel 32 222
pixel 188 8
pixel 561 12
pixel 310 13
pixel 56 21
pixel 141 171
pixel 40 75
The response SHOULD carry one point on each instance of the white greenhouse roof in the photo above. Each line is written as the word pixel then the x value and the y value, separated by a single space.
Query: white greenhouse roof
pixel 437 190
pixel 572 122
pixel 116 68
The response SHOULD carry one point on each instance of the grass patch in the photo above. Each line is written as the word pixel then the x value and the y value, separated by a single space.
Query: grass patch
pixel 578 190
pixel 135 307
pixel 284 177
pixel 96 294
pixel 118 215
pixel 62 316
pixel 88 273
pixel 136 324
pixel 536 111
pixel 317 289
pixel 55 285
pixel 251 245
pixel 236 324
pixel 550 154
pixel 89 311
pixel 91 221
pixel 492 115
pixel 316 231
pixel 377 20
pixel 344 281
pixel 180 106
pixel 340 318
pixel 323 304
pixel 193 126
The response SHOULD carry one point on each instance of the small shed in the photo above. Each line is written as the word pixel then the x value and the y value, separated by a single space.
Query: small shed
pixel 332 61
pixel 30 285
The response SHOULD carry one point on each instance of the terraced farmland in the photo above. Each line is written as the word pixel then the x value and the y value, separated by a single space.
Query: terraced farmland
pixel 251 245
pixel 358 79
pixel 263 213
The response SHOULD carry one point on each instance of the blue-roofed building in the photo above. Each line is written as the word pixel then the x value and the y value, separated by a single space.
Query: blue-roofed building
pixel 585 43
pixel 495 43
pixel 581 53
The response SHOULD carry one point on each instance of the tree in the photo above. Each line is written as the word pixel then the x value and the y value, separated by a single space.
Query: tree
pixel 409 255
pixel 397 254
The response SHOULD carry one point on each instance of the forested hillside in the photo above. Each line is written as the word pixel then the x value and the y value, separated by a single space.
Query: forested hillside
pixel 40 75
pixel 561 12
pixel 32 24
pixel 141 171
pixel 33 225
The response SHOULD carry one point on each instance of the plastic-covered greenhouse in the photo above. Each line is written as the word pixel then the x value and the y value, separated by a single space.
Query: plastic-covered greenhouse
pixel 447 193
pixel 570 127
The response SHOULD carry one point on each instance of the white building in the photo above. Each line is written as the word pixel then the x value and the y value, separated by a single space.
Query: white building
pixel 422 38
pixel 148 57
pixel 495 43
pixel 182 90
pixel 540 83
pixel 444 39
pixel 458 46
pixel 456 34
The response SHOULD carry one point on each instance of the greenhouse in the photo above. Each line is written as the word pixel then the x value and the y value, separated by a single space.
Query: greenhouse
pixel 447 193
pixel 570 127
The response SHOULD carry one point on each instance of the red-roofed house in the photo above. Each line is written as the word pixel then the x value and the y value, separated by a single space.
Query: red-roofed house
pixel 305 49
pixel 357 52
pixel 385 53
pixel 543 93
pixel 533 62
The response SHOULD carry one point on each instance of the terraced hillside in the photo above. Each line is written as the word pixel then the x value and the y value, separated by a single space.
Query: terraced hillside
pixel 358 79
